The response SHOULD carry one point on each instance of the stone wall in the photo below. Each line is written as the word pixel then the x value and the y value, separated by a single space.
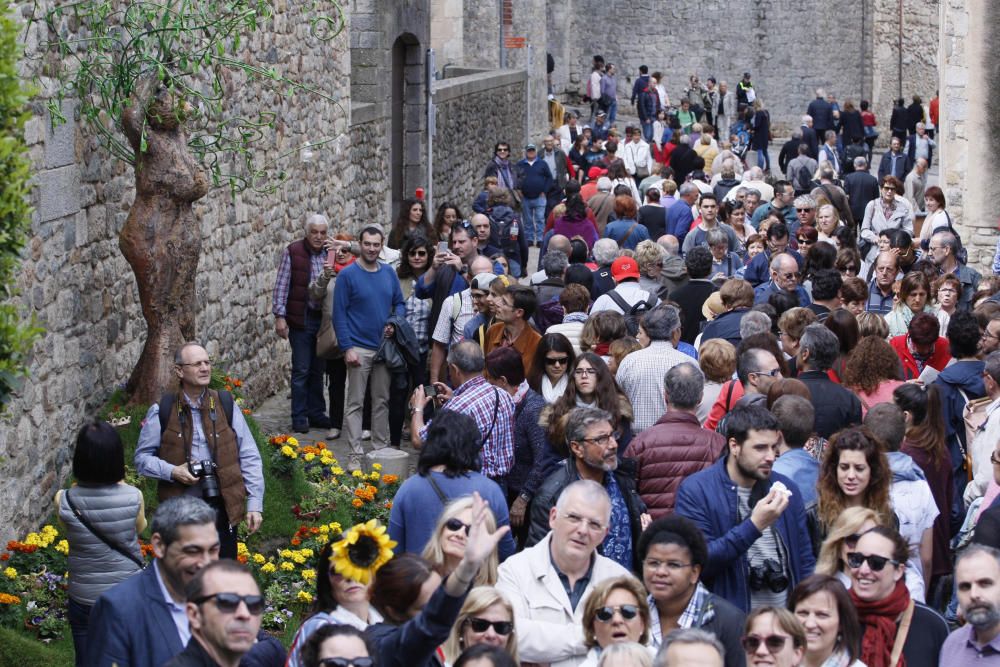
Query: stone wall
pixel 369 200
pixel 473 112
pixel 969 134
pixel 78 285
pixel 789 47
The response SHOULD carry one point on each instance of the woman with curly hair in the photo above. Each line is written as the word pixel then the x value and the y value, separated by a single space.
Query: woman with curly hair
pixel 574 221
pixel 447 215
pixel 412 219
pixel 873 372
pixel 854 473
pixel 599 330
pixel 591 385
pixel 914 294
pixel 925 444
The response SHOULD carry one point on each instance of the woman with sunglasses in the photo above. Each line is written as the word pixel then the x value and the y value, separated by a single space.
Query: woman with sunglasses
pixel 548 373
pixel 591 385
pixel 914 294
pixel 890 211
pixel 336 645
pixel 486 618
pixel 841 538
pixel 946 290
pixel 615 612
pixel 773 637
pixel 833 634
pixel 893 625
pixel 420 607
pixel 446 547
pixel 339 602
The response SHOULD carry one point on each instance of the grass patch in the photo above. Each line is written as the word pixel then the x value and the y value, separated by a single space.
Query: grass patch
pixel 24 650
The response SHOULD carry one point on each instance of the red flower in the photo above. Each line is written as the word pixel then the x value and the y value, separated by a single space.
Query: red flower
pixel 296 541
pixel 5 556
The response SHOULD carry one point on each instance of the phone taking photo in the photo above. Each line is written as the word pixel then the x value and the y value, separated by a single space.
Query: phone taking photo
pixel 443 248
pixel 430 391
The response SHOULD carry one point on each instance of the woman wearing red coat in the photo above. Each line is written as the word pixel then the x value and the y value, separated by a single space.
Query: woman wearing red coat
pixel 921 346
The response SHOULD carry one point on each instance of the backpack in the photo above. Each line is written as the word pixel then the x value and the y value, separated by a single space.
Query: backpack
pixel 633 314
pixel 167 404
pixel 547 314
pixel 803 179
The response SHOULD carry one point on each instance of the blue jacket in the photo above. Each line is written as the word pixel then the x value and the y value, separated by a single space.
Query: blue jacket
pixel 961 376
pixel 763 292
pixel 131 626
pixel 725 326
pixel 679 219
pixel 803 469
pixel 534 179
pixel 759 269
pixel 709 499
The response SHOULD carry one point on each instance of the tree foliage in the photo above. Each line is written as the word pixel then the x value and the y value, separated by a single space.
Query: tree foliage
pixel 16 335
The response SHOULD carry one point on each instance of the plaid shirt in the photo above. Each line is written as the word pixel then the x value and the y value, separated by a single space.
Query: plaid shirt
pixel 283 281
pixel 640 375
pixel 477 398
pixel 418 313
pixel 693 614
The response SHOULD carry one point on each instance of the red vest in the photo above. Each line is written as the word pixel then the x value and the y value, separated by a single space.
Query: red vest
pixel 298 284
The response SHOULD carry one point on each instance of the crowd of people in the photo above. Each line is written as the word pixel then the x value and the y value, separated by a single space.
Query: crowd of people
pixel 733 416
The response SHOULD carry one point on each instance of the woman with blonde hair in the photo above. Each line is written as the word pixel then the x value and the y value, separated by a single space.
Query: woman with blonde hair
pixel 841 539
pixel 827 222
pixel 626 654
pixel 717 360
pixel 487 617
pixel 446 548
pixel 872 324
pixel 615 612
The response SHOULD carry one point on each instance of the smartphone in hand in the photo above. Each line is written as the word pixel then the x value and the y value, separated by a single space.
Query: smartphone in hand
pixel 443 248
pixel 430 391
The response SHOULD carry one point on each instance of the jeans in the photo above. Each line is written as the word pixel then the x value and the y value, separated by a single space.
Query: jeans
pixel 647 131
pixel 534 218
pixel 763 159
pixel 79 621
pixel 612 111
pixel 227 532
pixel 308 400
pixel 357 378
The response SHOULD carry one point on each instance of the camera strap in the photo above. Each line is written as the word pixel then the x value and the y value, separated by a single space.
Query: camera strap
pixel 101 536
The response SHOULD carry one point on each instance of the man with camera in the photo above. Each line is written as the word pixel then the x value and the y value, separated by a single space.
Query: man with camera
pixel 753 518
pixel 195 443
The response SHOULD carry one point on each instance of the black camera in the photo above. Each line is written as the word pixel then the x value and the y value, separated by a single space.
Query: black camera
pixel 769 575
pixel 205 471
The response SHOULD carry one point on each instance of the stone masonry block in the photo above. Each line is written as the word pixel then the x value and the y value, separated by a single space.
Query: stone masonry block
pixel 58 192
pixel 60 140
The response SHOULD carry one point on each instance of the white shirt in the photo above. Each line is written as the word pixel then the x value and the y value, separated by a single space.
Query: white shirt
pixel 914 505
pixel 981 448
pixel 447 330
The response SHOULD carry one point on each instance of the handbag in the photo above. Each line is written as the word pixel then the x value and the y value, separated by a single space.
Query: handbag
pixel 101 536
pixel 326 341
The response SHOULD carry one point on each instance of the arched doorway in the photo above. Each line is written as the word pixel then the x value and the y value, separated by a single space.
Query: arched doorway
pixel 406 119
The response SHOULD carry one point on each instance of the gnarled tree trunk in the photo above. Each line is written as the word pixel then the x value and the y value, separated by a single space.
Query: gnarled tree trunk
pixel 161 238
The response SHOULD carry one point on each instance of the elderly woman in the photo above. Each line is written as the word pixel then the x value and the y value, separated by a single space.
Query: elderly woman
pixel 615 612
pixel 937 217
pixel 791 325
pixel 649 256
pixel 827 223
pixel 914 292
pixel 725 263
pixel 946 290
pixel 487 617
pixel 890 211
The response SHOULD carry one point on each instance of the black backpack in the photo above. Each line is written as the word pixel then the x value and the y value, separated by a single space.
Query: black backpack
pixel 633 314
pixel 803 180
pixel 167 404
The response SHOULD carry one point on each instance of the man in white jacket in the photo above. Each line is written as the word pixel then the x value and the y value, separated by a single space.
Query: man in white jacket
pixel 548 584
pixel 637 156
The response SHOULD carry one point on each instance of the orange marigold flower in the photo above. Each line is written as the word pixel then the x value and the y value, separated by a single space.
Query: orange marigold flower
pixel 388 504
pixel 247 411
pixel 7 598
pixel 5 557
pixel 357 502
pixel 390 479
pixel 296 541
pixel 314 530
pixel 242 559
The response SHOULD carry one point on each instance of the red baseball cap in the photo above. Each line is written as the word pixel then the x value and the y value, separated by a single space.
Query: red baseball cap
pixel 624 267
pixel 596 172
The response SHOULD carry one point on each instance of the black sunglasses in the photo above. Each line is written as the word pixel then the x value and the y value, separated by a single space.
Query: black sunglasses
pixel 774 643
pixel 628 612
pixel 455 525
pixel 502 628
pixel 876 563
pixel 554 361
pixel 228 603
pixel 346 662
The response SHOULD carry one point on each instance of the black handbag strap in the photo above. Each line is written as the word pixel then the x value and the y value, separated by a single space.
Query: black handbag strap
pixel 99 535
pixel 496 408
pixel 437 489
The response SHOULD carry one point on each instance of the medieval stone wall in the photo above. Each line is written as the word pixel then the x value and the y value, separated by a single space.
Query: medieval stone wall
pixel 368 197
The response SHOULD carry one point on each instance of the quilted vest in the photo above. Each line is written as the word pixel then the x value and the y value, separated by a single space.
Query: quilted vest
pixel 298 287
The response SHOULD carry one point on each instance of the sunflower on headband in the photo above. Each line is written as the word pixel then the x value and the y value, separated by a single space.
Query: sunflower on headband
pixel 361 551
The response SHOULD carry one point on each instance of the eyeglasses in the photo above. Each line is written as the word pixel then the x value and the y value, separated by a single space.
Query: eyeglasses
pixel 804 210
pixel 773 643
pixel 600 440
pixel 503 150
pixel 228 603
pixel 627 611
pixel 889 187
pixel 417 253
pixel 789 276
pixel 455 525
pixel 774 372
pixel 576 520
pixel 556 361
pixel 875 563
pixel 346 662
pixel 502 628
pixel 197 364
pixel 584 372
pixel 672 565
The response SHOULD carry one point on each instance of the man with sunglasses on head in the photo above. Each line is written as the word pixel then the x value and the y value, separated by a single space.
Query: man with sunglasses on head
pixel 894 625
pixel 143 622
pixel 548 583
pixel 753 518
pixel 224 606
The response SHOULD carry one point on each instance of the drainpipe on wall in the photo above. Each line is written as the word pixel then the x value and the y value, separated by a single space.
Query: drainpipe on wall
pixel 503 51
pixel 431 131
pixel 899 47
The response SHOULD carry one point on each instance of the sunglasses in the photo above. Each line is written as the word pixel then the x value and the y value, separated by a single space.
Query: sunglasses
pixel 803 210
pixel 628 612
pixel 875 563
pixel 346 662
pixel 455 525
pixel 502 628
pixel 803 241
pixel 556 361
pixel 228 603
pixel 417 253
pixel 773 643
